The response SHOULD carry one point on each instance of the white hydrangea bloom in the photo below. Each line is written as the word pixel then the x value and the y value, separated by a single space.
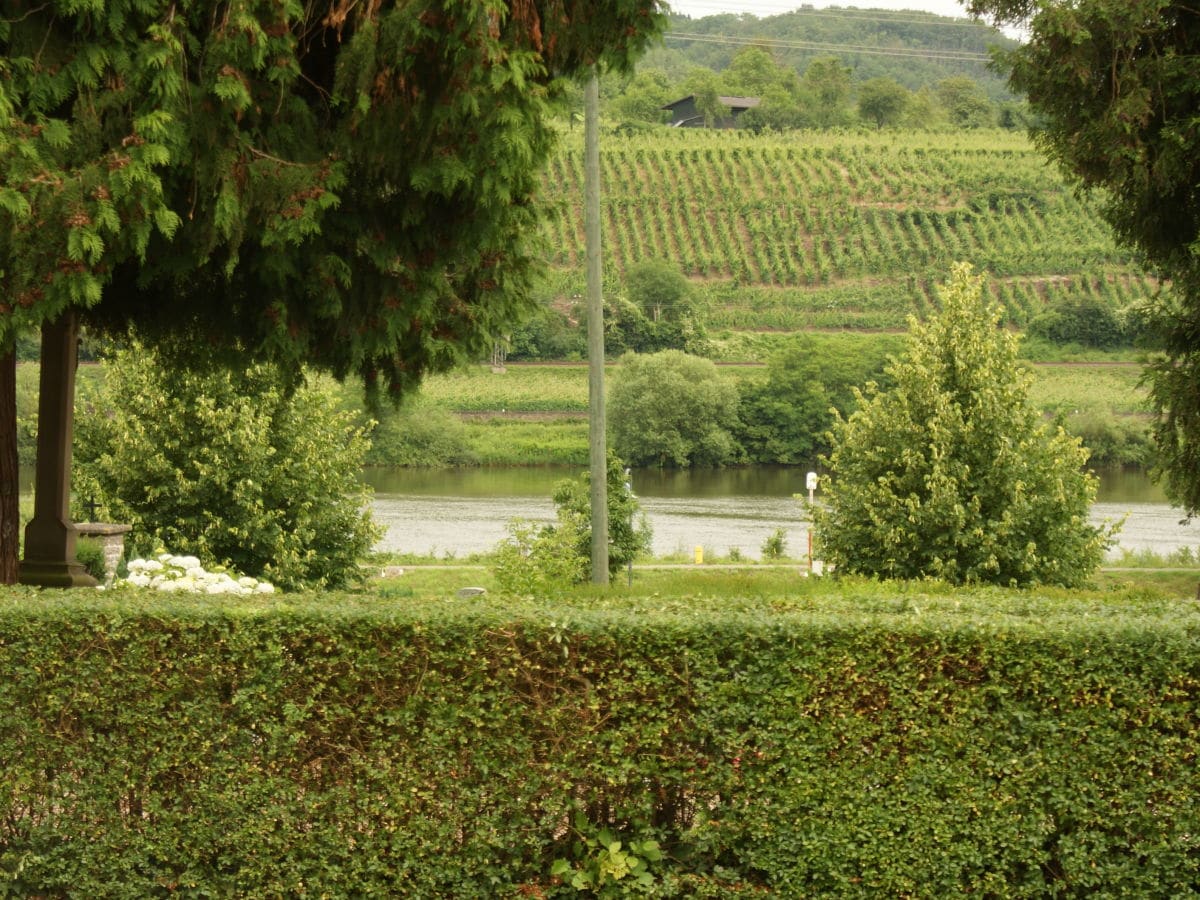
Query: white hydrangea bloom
pixel 185 574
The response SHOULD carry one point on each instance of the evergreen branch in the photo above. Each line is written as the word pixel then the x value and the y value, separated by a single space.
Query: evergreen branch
pixel 32 12
pixel 283 162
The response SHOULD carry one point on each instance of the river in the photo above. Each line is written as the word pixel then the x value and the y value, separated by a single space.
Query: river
pixel 458 512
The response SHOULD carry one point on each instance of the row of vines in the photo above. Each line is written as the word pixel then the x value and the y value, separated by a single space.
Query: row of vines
pixel 845 230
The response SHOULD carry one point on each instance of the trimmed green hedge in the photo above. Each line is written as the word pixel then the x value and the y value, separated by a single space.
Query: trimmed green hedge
pixel 989 743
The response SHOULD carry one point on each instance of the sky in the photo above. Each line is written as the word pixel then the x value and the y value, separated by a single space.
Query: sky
pixel 761 8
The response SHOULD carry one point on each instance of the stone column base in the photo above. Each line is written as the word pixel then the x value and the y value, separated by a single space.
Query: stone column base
pixel 53 573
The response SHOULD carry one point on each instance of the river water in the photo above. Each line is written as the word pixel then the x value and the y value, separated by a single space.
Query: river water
pixel 458 512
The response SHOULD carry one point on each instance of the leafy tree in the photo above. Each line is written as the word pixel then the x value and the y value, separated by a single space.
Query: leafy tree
pixel 1080 319
pixel 349 185
pixel 965 102
pixel 951 473
pixel 827 80
pixel 786 416
pixel 882 101
pixel 660 289
pixel 704 85
pixel 777 110
pixel 644 97
pixel 672 409
pixel 753 71
pixel 1114 86
pixel 232 466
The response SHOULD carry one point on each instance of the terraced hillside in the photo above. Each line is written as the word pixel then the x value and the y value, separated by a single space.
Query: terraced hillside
pixel 825 230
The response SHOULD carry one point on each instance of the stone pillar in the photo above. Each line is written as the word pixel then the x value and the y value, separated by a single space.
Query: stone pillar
pixel 111 538
pixel 50 535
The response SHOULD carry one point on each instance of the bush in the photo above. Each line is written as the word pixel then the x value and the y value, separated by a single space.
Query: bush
pixel 629 534
pixel 533 560
pixel 1083 320
pixel 672 409
pixel 230 466
pixel 951 473
pixel 881 743
pixel 90 554
pixel 786 416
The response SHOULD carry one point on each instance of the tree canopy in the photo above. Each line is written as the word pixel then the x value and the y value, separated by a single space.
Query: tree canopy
pixel 671 409
pixel 1115 87
pixel 950 473
pixel 351 185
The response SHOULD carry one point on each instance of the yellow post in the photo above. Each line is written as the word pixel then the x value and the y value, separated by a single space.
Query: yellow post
pixel 699 555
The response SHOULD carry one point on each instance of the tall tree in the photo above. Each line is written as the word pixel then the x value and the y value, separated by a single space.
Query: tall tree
pixel 882 101
pixel 1115 87
pixel 828 81
pixel 345 184
pixel 951 473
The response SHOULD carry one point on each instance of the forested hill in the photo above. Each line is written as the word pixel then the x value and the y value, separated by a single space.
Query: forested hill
pixel 816 230
pixel 916 49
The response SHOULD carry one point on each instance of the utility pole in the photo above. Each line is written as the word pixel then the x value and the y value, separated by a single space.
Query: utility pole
pixel 597 445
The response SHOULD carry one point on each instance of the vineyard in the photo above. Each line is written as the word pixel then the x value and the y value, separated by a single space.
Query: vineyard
pixel 819 230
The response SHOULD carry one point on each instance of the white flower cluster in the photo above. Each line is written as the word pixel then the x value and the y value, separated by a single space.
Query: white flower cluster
pixel 184 573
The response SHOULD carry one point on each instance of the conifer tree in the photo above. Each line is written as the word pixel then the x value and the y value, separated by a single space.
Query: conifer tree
pixel 951 473
pixel 345 184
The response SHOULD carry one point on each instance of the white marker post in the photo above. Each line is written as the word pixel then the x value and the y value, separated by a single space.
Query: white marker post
pixel 811 484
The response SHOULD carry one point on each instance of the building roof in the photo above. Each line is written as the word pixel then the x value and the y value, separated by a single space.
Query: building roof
pixel 732 102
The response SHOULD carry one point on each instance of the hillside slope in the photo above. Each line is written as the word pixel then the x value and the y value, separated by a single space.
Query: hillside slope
pixel 839 230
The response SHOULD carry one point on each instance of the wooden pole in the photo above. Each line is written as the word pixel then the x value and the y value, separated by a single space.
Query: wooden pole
pixel 597 447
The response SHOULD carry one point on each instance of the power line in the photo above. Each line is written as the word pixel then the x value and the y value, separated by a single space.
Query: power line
pixel 780 44
pixel 935 20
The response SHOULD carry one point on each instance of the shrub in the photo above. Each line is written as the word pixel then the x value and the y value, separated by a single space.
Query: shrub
pixel 536 560
pixel 629 533
pixel 672 409
pixel 775 546
pixel 951 473
pixel 90 554
pixel 880 743
pixel 533 560
pixel 230 466
pixel 786 416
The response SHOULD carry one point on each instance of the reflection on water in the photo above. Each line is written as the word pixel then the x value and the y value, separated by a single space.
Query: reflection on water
pixel 458 512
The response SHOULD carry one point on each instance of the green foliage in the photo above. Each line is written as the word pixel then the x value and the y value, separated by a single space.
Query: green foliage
pixel 91 555
pixel 882 101
pixel 950 473
pixel 234 467
pixel 661 312
pixel 538 560
pixel 353 187
pixel 785 417
pixel 1080 319
pixel 603 866
pixel 965 102
pixel 658 288
pixel 672 409
pixel 775 546
pixel 878 741
pixel 629 533
pixel 827 81
pixel 1115 94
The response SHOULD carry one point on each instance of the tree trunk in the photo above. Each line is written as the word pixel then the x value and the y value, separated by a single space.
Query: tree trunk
pixel 10 512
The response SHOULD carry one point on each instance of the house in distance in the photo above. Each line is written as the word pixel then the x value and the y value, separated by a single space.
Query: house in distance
pixel 684 113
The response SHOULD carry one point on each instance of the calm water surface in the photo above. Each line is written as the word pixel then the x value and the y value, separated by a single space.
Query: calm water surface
pixel 463 511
